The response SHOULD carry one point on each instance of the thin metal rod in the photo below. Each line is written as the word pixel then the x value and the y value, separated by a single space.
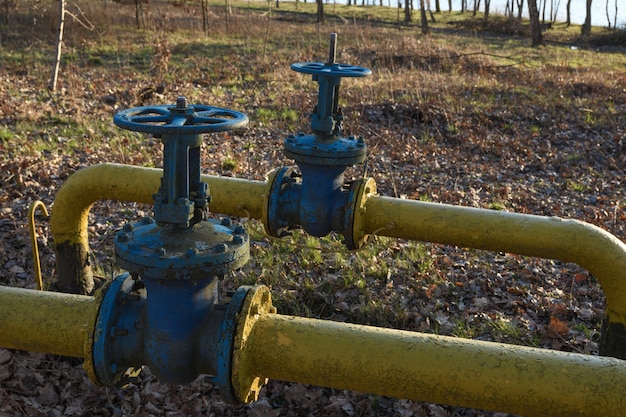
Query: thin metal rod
pixel 33 240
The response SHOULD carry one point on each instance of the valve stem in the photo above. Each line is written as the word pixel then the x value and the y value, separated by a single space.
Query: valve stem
pixel 332 50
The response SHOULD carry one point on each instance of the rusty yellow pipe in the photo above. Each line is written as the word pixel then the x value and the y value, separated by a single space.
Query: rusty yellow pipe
pixel 601 253
pixel 50 322
pixel 107 181
pixel 460 372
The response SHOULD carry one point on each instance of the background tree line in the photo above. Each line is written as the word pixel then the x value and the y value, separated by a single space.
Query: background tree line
pixel 542 13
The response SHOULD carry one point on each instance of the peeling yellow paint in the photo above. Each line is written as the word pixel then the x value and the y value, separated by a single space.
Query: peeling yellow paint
pixel 283 340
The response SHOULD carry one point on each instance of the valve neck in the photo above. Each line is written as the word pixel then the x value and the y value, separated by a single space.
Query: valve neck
pixel 183 198
pixel 327 117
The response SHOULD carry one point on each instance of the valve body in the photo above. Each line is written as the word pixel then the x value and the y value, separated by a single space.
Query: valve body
pixel 166 309
pixel 317 198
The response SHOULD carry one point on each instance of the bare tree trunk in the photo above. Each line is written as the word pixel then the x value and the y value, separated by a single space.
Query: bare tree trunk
pixel 430 12
pixel 137 11
pixel 407 11
pixel 425 28
pixel 320 11
pixel 535 28
pixel 139 15
pixel 608 17
pixel 227 12
pixel 487 4
pixel 615 17
pixel 205 17
pixel 568 12
pixel 585 29
pixel 398 12
pixel 57 59
pixel 449 6
pixel 6 11
pixel 555 10
pixel 6 18
pixel 267 29
pixel 520 7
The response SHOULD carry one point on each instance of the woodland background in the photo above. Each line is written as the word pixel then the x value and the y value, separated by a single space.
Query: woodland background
pixel 468 113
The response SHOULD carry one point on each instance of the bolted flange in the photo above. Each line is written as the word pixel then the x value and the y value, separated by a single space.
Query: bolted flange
pixel 323 151
pixel 209 248
pixel 111 361
pixel 258 301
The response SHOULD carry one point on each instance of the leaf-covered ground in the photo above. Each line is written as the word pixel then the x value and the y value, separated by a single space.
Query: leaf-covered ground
pixel 456 118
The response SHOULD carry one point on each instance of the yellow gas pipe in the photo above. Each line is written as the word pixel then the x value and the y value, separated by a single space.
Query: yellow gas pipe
pixel 493 376
pixel 108 181
pixel 133 184
pixel 388 362
pixel 44 321
pixel 603 254
pixel 548 237
pixel 469 373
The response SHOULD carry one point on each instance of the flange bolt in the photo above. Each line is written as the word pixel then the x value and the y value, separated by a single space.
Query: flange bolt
pixel 147 220
pixel 220 248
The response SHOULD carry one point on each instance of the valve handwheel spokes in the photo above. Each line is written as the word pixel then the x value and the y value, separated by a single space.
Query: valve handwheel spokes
pixel 335 70
pixel 180 119
pixel 331 68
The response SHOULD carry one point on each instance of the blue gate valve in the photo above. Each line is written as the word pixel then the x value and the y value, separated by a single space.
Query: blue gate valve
pixel 165 312
pixel 315 198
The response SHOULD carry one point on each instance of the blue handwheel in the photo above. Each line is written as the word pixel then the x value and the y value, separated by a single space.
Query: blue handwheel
pixel 180 119
pixel 333 70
